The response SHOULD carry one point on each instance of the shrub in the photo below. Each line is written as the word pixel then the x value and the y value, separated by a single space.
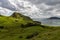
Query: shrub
pixel 1 27
pixel 32 35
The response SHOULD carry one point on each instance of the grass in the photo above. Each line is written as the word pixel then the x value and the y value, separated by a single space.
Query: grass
pixel 23 33
pixel 11 29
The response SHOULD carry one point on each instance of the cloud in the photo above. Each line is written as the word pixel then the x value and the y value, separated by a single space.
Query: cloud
pixel 32 8
pixel 53 2
pixel 18 5
pixel 48 2
pixel 4 11
pixel 48 7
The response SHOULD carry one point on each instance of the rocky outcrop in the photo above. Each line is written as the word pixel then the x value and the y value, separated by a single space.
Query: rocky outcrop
pixel 19 15
pixel 35 23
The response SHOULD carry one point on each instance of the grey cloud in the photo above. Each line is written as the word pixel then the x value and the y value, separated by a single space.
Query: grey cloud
pixel 58 10
pixel 7 4
pixel 48 2
pixel 53 2
pixel 47 7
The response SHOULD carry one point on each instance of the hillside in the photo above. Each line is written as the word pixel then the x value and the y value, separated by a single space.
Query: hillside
pixel 20 27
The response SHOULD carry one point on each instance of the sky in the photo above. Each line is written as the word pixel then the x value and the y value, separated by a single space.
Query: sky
pixel 31 8
pixel 48 7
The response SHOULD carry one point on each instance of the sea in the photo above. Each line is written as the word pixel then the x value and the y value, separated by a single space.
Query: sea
pixel 48 22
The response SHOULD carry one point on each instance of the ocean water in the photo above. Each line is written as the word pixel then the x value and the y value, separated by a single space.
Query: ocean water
pixel 48 22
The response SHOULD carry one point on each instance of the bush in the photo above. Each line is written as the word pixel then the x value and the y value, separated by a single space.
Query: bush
pixel 1 27
pixel 21 37
pixel 32 35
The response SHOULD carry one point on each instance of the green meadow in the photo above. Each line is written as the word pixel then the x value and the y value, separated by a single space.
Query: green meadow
pixel 20 27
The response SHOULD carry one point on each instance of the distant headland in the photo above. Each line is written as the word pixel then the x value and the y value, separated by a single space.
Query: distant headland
pixel 54 18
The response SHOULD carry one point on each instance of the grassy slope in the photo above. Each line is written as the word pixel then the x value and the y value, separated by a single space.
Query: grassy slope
pixel 12 30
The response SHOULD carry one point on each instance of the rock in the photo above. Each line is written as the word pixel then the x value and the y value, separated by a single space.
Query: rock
pixel 16 15
pixel 19 15
pixel 37 23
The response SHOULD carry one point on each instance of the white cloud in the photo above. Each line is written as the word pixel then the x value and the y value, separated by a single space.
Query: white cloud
pixel 4 11
pixel 48 7
pixel 18 5
pixel 32 8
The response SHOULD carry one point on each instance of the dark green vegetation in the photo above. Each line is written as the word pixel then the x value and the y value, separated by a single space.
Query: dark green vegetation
pixel 20 27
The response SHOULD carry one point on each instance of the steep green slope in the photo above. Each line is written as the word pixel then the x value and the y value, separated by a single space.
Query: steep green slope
pixel 20 27
pixel 14 20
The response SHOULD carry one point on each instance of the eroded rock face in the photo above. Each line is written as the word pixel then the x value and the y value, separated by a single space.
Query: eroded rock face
pixel 16 15
pixel 35 23
pixel 19 15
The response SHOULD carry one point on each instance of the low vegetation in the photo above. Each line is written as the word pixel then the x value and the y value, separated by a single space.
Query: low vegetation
pixel 20 27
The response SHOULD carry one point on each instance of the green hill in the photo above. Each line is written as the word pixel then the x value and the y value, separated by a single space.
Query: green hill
pixel 20 27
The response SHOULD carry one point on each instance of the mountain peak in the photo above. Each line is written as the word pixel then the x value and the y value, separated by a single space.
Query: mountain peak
pixel 19 15
pixel 16 15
